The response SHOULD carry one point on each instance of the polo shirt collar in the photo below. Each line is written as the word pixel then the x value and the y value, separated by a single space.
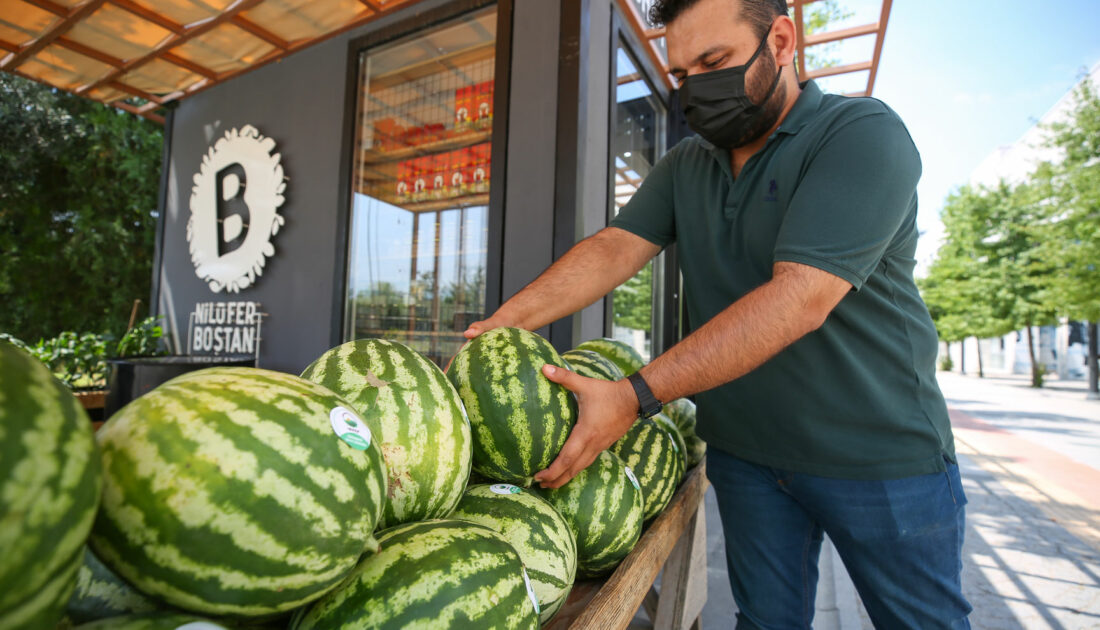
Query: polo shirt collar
pixel 801 113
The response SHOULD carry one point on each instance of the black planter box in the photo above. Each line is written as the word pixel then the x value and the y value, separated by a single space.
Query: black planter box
pixel 129 378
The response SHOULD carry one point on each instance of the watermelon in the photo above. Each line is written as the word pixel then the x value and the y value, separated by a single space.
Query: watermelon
pixel 592 364
pixel 682 413
pixel 679 445
pixel 621 354
pixel 439 574
pixel 421 423
pixel 154 621
pixel 520 418
pixel 603 506
pixel 652 453
pixel 237 491
pixel 49 489
pixel 100 594
pixel 536 530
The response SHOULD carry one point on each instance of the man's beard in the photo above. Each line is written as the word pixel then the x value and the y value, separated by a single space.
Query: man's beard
pixel 757 88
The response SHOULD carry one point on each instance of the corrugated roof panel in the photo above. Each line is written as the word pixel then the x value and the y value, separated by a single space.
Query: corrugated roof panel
pixel 21 22
pixel 64 68
pixel 160 77
pixel 185 12
pixel 224 49
pixel 118 33
pixel 107 94
pixel 301 19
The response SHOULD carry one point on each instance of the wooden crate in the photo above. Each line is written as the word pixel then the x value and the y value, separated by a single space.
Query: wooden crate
pixel 677 541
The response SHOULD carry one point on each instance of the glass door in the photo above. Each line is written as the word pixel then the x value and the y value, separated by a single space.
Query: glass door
pixel 419 221
pixel 637 142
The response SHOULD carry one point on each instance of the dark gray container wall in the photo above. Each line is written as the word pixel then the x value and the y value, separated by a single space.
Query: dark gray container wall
pixel 300 104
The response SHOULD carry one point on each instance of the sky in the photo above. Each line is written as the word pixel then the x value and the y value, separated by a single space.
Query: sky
pixel 968 77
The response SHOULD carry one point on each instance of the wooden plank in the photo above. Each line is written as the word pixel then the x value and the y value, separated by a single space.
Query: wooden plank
pixel 883 19
pixel 173 58
pixel 835 70
pixel 845 33
pixel 88 51
pixel 149 15
pixel 616 602
pixel 684 581
pixel 261 32
pixel 638 25
pixel 52 7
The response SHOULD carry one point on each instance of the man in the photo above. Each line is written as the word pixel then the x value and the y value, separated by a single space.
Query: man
pixel 795 218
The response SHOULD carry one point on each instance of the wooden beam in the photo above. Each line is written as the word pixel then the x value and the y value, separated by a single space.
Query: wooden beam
pixel 372 5
pixel 129 89
pixel 173 58
pixel 47 38
pixel 126 107
pixel 800 38
pixel 176 40
pixel 832 36
pixel 261 32
pixel 637 24
pixel 835 70
pixel 655 33
pixel 8 46
pixel 883 19
pixel 88 51
pixel 152 16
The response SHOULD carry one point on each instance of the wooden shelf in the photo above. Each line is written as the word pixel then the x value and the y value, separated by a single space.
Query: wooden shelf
pixel 449 63
pixel 431 205
pixel 459 140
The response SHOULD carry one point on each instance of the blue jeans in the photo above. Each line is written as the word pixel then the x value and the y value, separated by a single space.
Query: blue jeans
pixel 901 541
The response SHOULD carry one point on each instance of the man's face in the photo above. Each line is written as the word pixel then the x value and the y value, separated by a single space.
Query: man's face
pixel 711 35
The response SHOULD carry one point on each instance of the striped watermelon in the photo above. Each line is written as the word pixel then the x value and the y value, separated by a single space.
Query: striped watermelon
pixel 154 621
pixel 442 574
pixel 520 418
pixel 680 447
pixel 603 507
pixel 621 354
pixel 653 455
pixel 49 489
pixel 536 530
pixel 237 491
pixel 592 364
pixel 100 594
pixel 682 413
pixel 421 420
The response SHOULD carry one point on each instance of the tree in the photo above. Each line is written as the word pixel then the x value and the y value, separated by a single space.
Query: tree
pixel 78 199
pixel 632 303
pixel 1071 188
pixel 817 18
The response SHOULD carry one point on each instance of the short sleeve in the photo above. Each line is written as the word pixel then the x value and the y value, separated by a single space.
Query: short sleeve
pixel 650 213
pixel 854 197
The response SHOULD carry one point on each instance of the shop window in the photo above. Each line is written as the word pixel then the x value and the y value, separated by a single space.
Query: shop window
pixel 419 220
pixel 636 144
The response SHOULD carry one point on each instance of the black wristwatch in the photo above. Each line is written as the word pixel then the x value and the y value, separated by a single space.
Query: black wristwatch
pixel 648 405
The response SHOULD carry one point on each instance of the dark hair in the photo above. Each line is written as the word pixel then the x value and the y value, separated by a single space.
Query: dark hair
pixel 758 13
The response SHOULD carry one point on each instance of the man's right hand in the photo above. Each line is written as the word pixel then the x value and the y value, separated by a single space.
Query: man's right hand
pixel 495 321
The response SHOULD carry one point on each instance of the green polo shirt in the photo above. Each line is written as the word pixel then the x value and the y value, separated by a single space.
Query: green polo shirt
pixel 833 188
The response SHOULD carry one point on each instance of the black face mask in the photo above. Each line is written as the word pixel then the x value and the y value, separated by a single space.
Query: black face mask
pixel 718 107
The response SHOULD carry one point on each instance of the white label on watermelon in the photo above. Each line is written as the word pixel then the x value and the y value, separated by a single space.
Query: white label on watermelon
pixel 200 625
pixel 505 488
pixel 531 592
pixel 350 428
pixel 632 478
pixel 674 447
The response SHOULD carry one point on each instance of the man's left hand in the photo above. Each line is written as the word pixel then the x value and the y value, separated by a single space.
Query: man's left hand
pixel 606 411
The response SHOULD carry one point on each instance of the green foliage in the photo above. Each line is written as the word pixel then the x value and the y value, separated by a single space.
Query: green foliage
pixel 77 360
pixel 143 340
pixel 1071 188
pixel 78 194
pixel 817 18
pixel 632 302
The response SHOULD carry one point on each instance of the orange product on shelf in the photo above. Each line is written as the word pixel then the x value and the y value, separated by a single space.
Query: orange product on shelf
pixel 483 101
pixel 403 186
pixel 387 134
pixel 463 107
pixel 456 179
pixel 422 173
pixel 441 165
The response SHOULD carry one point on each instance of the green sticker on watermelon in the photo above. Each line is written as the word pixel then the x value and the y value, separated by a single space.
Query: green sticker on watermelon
pixel 632 478
pixel 350 428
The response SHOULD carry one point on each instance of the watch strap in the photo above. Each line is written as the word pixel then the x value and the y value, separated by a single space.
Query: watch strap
pixel 648 405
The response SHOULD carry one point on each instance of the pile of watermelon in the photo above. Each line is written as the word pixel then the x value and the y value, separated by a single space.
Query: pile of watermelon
pixel 372 491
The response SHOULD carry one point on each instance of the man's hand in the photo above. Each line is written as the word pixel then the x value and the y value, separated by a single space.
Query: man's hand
pixel 496 320
pixel 606 412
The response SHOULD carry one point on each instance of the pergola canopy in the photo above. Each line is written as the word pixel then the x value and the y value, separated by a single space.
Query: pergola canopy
pixel 139 55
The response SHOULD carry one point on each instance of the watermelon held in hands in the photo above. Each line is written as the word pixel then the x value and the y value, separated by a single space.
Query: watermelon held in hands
pixel 520 419
pixel 536 530
pixel 49 489
pixel 422 426
pixel 592 364
pixel 603 506
pixel 621 354
pixel 237 491
pixel 441 574
pixel 657 461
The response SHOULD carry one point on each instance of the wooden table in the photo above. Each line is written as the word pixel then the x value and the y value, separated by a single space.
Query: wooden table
pixel 676 541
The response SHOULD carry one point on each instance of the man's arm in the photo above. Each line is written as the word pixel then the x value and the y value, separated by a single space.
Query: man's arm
pixel 586 273
pixel 747 333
